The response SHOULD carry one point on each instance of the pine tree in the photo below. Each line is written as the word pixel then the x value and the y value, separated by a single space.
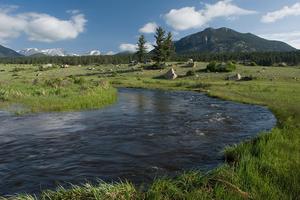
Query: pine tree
pixel 141 50
pixel 169 47
pixel 159 49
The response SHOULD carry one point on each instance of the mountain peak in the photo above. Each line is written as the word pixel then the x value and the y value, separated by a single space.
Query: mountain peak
pixel 227 40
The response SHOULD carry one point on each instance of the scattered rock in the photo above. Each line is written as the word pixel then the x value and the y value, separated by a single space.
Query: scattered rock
pixel 283 64
pixel 236 77
pixel 65 66
pixel 171 75
pixel 47 65
pixel 190 63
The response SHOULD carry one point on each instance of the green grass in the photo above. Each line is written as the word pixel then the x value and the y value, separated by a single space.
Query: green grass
pixel 54 95
pixel 266 167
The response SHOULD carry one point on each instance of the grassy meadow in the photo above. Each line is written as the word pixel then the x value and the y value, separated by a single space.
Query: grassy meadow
pixel 26 89
pixel 266 167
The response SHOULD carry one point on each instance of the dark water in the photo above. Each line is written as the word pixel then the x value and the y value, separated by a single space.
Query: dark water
pixel 147 133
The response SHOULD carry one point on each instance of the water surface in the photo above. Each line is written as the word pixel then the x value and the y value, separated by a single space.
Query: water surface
pixel 148 133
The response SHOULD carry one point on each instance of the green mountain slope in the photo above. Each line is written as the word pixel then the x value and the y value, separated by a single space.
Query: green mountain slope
pixel 6 52
pixel 227 40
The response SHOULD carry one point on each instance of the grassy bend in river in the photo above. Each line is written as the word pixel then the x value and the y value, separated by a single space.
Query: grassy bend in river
pixel 55 94
pixel 263 168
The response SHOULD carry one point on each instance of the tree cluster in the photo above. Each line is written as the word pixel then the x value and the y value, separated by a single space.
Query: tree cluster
pixel 70 60
pixel 163 49
pixel 247 58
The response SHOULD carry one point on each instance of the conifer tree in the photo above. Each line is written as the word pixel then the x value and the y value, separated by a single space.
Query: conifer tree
pixel 159 47
pixel 141 49
pixel 169 47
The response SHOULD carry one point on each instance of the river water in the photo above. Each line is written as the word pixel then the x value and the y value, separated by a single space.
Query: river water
pixel 146 134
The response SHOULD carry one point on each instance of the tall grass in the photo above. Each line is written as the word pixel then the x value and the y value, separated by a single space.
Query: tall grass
pixel 54 95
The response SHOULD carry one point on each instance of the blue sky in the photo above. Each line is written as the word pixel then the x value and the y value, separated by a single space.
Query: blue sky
pixel 113 25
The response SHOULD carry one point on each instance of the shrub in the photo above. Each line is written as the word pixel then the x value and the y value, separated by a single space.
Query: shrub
pixel 155 66
pixel 54 83
pixel 79 81
pixel 190 73
pixel 220 67
pixel 18 69
pixel 211 66
pixel 253 64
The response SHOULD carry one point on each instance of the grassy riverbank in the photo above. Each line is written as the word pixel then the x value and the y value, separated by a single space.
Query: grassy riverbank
pixel 23 93
pixel 266 167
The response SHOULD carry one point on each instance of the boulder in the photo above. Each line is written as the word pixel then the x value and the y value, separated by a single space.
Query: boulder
pixel 190 61
pixel 236 77
pixel 65 66
pixel 47 65
pixel 171 75
pixel 283 64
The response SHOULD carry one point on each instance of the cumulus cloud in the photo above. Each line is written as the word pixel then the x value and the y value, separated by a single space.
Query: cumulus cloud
pixel 46 28
pixel 133 47
pixel 128 47
pixel 110 53
pixel 286 11
pixel 39 26
pixel 188 17
pixel 10 26
pixel 292 38
pixel 149 28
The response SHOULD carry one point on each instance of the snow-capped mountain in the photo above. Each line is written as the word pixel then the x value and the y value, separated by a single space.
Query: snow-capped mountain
pixel 94 53
pixel 47 52
pixel 55 52
pixel 29 51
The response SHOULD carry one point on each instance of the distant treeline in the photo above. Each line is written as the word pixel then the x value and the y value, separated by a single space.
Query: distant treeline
pixel 70 60
pixel 259 58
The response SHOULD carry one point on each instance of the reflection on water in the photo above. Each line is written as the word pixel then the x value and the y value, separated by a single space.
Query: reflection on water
pixel 148 133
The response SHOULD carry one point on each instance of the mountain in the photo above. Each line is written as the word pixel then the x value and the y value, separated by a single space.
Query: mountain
pixel 46 52
pixel 227 40
pixel 29 51
pixel 54 52
pixel 124 53
pixel 6 52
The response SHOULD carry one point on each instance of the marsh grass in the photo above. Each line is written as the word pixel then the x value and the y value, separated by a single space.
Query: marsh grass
pixel 57 94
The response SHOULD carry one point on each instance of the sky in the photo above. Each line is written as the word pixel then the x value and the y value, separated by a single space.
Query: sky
pixel 111 26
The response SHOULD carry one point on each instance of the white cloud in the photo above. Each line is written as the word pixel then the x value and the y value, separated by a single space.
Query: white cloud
pixel 185 18
pixel 10 26
pixel 133 47
pixel 282 13
pixel 128 47
pixel 110 53
pixel 39 26
pixel 149 28
pixel 188 17
pixel 46 28
pixel 292 38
